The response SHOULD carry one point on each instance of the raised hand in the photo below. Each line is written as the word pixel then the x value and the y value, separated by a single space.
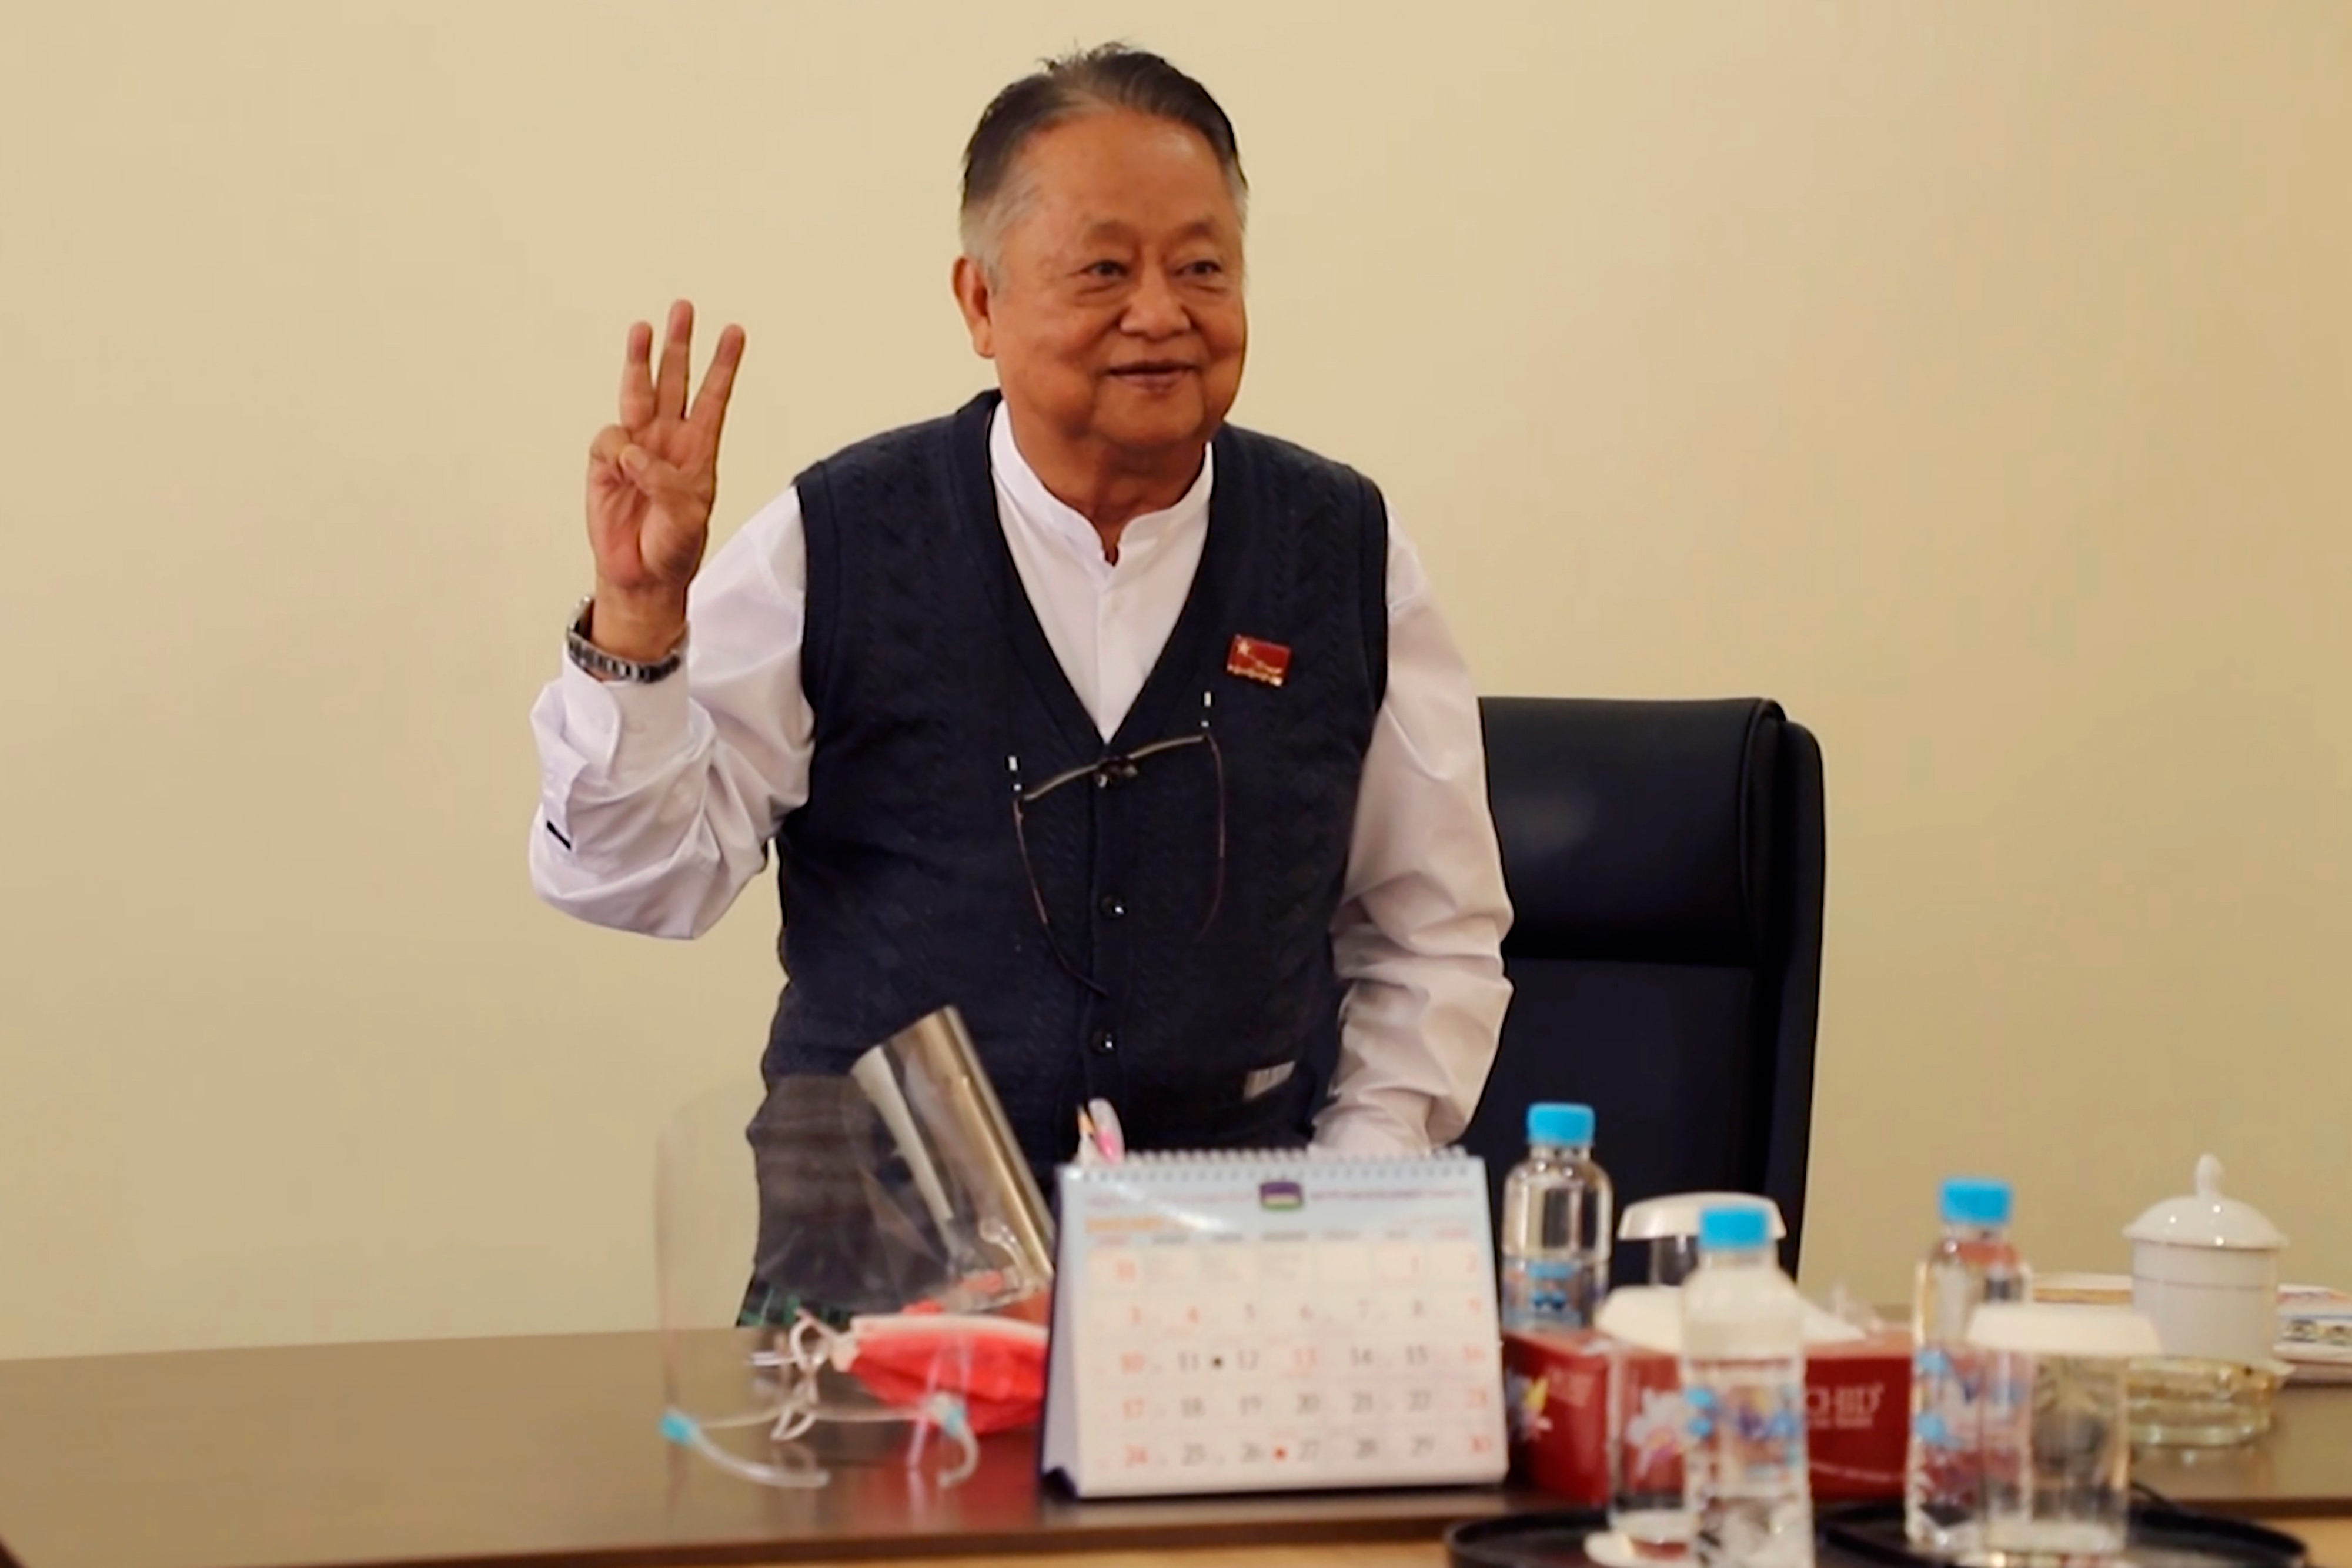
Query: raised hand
pixel 651 481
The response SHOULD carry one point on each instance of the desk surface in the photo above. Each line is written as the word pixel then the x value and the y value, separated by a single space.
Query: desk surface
pixel 521 1451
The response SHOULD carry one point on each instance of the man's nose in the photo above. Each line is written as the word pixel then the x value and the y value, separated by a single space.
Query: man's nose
pixel 1154 310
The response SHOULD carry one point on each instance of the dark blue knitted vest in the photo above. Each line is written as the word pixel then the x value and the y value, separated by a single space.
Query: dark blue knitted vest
pixel 902 878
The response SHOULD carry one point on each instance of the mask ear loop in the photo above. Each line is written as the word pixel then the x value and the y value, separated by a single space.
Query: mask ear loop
pixel 682 1429
pixel 946 1411
pixel 810 1347
pixel 814 1344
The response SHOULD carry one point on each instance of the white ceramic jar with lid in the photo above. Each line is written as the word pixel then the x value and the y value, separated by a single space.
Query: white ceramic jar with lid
pixel 1670 1224
pixel 2205 1271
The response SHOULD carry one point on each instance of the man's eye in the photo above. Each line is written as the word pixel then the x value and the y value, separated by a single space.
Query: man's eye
pixel 1106 269
pixel 1207 269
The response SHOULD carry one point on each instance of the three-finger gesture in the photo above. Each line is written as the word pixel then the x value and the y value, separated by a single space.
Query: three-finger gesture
pixel 652 478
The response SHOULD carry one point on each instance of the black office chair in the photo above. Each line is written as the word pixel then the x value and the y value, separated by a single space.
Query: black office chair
pixel 1664 861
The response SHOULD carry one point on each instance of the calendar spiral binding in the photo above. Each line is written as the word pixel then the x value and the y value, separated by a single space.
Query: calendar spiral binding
pixel 1288 1160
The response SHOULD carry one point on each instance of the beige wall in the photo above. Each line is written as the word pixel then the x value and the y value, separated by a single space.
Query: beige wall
pixel 1973 378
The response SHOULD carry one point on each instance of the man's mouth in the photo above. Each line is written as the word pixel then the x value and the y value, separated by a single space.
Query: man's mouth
pixel 1149 367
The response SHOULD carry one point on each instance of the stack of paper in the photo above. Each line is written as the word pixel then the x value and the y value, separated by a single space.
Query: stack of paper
pixel 2315 1334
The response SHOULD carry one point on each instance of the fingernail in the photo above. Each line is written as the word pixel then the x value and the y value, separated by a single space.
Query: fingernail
pixel 633 459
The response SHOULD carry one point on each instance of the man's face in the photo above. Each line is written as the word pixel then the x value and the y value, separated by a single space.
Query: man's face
pixel 1116 318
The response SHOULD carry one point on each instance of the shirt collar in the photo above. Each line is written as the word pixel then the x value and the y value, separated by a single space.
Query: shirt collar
pixel 1024 496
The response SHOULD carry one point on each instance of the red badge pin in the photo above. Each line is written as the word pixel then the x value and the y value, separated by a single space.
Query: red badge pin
pixel 1254 659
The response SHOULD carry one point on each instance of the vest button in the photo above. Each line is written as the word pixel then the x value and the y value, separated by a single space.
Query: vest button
pixel 1103 1043
pixel 1112 909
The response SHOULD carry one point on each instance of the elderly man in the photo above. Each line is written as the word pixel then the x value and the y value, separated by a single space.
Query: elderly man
pixel 1134 735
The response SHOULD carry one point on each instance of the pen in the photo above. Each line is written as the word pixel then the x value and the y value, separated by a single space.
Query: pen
pixel 1109 1135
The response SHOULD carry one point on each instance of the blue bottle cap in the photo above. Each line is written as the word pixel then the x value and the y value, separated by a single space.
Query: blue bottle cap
pixel 1732 1227
pixel 1550 1122
pixel 1974 1201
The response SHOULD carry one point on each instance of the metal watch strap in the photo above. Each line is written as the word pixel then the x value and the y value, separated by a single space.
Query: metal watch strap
pixel 612 667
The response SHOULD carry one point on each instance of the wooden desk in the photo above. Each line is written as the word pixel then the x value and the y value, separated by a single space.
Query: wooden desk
pixel 2330 1541
pixel 539 1451
pixel 2302 1469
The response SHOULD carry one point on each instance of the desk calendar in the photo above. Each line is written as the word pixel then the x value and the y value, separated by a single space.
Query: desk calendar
pixel 1252 1322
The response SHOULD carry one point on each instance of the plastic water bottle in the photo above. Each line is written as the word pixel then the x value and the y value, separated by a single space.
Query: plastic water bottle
pixel 1743 1366
pixel 1973 1263
pixel 1558 1212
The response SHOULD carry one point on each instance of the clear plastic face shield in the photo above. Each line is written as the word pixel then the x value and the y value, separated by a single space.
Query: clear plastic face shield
pixel 851 1269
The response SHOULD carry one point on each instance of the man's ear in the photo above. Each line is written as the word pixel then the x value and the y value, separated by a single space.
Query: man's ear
pixel 973 298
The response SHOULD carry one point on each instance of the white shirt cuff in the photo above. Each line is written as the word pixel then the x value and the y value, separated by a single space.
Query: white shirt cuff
pixel 628 731
pixel 1371 1128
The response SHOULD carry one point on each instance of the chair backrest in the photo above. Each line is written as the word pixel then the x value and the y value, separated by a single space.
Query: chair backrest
pixel 1665 864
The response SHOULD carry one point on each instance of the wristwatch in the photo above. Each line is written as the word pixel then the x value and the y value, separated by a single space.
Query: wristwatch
pixel 612 667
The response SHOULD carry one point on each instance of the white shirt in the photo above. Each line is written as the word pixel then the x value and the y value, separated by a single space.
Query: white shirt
pixel 657 802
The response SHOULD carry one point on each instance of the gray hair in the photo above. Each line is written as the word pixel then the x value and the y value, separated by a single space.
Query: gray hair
pixel 1107 76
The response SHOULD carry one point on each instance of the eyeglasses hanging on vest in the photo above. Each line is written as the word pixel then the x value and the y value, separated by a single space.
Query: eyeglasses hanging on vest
pixel 1118 768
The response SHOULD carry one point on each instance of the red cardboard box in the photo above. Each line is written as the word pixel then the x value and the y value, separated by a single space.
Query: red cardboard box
pixel 1858 1399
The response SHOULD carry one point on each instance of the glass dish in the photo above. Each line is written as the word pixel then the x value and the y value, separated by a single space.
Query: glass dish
pixel 2185 1402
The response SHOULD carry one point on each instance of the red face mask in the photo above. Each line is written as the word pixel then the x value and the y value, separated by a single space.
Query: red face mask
pixel 995 1365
